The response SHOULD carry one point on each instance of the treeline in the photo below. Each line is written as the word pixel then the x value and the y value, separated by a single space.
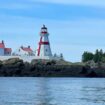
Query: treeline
pixel 98 56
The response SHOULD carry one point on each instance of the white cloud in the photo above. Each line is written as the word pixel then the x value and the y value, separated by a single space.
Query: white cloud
pixel 77 2
pixel 39 3
pixel 19 5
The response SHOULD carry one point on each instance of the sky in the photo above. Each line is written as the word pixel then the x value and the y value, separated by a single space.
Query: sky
pixel 75 26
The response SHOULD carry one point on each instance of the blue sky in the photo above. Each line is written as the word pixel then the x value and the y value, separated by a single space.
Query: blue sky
pixel 75 26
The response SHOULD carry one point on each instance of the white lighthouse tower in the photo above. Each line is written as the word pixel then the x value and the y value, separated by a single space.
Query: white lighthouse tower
pixel 44 49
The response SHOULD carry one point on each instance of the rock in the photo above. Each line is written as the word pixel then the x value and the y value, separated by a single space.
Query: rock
pixel 48 68
pixel 85 70
pixel 12 61
pixel 92 74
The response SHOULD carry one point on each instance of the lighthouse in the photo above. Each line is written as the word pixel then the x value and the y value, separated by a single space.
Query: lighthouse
pixel 44 44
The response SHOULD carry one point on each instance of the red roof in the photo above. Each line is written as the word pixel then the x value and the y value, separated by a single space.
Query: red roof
pixel 27 49
pixel 8 50
pixel 44 32
pixel 2 45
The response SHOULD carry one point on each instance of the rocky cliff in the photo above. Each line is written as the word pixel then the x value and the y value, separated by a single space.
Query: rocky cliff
pixel 46 68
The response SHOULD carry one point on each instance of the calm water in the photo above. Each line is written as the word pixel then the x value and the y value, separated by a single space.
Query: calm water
pixel 52 91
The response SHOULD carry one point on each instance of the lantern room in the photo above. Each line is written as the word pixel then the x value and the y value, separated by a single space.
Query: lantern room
pixel 44 30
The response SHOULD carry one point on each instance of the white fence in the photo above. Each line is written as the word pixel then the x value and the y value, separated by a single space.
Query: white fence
pixel 28 58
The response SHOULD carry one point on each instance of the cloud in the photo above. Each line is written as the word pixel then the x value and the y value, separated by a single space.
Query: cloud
pixel 43 9
pixel 20 4
pixel 100 3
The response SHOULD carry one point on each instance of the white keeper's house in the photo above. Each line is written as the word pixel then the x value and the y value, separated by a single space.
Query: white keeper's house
pixel 24 51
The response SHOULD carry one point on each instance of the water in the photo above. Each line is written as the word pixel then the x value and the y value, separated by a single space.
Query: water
pixel 52 91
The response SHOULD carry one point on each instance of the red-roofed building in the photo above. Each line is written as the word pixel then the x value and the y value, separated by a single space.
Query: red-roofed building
pixel 24 51
pixel 4 51
pixel 27 49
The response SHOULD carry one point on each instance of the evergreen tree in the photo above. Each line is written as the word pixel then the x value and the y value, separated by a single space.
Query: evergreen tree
pixel 87 56
pixel 61 56
pixel 99 56
pixel 55 55
pixel 96 56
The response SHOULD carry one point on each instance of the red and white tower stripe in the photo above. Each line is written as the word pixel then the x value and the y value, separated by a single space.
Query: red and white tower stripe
pixel 44 45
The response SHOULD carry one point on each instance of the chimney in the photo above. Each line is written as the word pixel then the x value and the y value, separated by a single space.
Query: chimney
pixel 2 42
pixel 22 47
pixel 28 46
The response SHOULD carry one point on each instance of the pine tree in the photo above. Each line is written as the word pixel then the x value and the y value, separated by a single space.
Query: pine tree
pixel 96 56
pixel 87 56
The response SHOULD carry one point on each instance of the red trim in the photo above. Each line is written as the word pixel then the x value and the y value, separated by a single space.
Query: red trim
pixel 45 43
pixel 41 43
pixel 39 46
pixel 44 32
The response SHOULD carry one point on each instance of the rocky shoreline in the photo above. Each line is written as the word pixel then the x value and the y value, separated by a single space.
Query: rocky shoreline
pixel 45 68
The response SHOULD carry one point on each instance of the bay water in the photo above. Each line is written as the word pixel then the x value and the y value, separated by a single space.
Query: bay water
pixel 52 91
